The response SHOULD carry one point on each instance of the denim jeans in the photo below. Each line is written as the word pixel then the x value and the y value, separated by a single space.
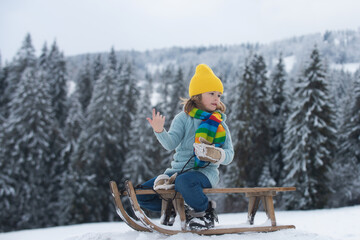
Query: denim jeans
pixel 189 184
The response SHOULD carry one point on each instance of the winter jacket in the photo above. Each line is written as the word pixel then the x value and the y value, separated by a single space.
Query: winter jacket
pixel 181 137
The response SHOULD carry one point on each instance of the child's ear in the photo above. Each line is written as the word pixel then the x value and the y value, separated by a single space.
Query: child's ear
pixel 221 106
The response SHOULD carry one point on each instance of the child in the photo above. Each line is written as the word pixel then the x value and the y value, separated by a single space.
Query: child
pixel 202 142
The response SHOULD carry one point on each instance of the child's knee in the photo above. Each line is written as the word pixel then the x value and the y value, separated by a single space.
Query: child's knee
pixel 184 183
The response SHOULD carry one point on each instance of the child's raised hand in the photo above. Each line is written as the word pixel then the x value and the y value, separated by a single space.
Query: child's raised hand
pixel 157 122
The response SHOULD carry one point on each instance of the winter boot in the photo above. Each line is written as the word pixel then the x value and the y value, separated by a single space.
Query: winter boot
pixel 168 218
pixel 203 220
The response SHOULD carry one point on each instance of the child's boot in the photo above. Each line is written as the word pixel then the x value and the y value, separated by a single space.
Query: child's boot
pixel 204 220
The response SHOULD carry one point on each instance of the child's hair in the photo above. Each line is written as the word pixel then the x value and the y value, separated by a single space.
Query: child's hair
pixel 195 101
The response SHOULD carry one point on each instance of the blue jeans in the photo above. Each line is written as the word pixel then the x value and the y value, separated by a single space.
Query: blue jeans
pixel 189 184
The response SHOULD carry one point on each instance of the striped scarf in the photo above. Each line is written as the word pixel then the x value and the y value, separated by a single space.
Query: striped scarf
pixel 210 128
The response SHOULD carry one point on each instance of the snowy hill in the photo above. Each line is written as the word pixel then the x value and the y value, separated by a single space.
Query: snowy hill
pixel 339 48
pixel 328 224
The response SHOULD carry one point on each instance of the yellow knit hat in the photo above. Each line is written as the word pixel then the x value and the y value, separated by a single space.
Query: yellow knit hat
pixel 204 80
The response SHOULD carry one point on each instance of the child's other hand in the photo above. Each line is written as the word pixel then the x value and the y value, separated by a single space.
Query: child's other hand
pixel 157 122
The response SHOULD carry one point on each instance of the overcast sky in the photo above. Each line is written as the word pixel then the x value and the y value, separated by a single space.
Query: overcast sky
pixel 88 26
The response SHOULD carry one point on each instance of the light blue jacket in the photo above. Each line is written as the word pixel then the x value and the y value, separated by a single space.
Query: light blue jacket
pixel 181 137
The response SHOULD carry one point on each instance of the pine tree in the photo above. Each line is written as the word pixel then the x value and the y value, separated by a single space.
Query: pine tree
pixel 27 152
pixel 98 67
pixel 85 83
pixel 140 163
pixel 43 61
pixel 266 178
pixel 164 90
pixel 112 61
pixel 74 126
pixel 164 107
pixel 261 153
pixel 3 87
pixel 24 58
pixel 74 122
pixel 249 124
pixel 309 140
pixel 57 75
pixel 236 174
pixel 345 176
pixel 240 123
pixel 341 87
pixel 177 91
pixel 279 114
pixel 99 157
pixel 58 166
pixel 128 95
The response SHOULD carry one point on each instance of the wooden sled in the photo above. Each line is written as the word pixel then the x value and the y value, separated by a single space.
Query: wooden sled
pixel 134 224
pixel 254 195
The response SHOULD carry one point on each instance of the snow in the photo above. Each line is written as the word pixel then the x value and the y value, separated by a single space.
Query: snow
pixel 327 224
pixel 347 67
pixel 289 62
pixel 71 85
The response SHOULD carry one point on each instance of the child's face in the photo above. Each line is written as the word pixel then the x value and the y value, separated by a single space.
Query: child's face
pixel 210 100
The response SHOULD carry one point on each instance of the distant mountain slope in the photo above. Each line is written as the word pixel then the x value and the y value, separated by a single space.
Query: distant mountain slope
pixel 338 47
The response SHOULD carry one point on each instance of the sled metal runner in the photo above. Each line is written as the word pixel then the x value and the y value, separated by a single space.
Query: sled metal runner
pixel 254 195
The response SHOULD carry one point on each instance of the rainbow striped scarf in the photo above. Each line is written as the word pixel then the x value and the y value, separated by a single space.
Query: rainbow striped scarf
pixel 210 129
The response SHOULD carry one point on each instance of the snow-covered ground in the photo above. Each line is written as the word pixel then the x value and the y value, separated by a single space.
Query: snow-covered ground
pixel 328 224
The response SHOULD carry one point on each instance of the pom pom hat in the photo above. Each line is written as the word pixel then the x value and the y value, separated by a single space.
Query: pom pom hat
pixel 204 80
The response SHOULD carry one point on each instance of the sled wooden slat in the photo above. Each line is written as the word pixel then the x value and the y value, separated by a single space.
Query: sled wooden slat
pixel 220 190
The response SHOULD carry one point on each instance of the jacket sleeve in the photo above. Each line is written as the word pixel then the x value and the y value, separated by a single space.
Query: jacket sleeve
pixel 172 138
pixel 228 147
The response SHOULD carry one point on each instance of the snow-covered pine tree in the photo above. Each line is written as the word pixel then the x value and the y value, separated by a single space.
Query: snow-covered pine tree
pixel 164 90
pixel 112 60
pixel 99 157
pixel 279 113
pixel 57 77
pixel 240 123
pixel 7 183
pixel 177 91
pixel 140 163
pixel 27 155
pixel 261 122
pixel 85 84
pixel 249 124
pixel 345 176
pixel 43 59
pixel 97 68
pixel 342 89
pixel 235 174
pixel 58 166
pixel 74 122
pixel 309 140
pixel 74 125
pixel 3 86
pixel 24 58
pixel 8 191
pixel 266 178
pixel 164 107
pixel 128 105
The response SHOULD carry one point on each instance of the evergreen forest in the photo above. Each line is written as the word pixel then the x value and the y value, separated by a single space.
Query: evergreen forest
pixel 69 125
